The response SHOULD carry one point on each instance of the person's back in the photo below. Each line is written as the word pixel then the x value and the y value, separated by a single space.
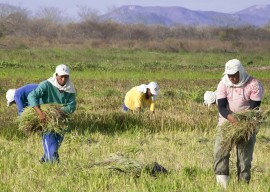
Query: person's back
pixel 141 96
pixel 136 99
pixel 19 96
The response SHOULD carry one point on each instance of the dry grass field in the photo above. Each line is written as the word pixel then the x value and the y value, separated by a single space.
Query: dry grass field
pixel 180 137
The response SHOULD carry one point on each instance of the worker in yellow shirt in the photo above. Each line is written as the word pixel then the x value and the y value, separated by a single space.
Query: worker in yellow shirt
pixel 141 96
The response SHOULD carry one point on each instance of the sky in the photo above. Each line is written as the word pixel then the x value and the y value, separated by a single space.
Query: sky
pixel 70 7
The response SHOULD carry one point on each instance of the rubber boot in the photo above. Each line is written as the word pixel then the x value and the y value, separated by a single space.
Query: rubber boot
pixel 222 180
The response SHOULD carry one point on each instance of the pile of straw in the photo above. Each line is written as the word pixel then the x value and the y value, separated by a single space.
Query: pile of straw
pixel 56 120
pixel 248 124
pixel 121 163
pixel 118 162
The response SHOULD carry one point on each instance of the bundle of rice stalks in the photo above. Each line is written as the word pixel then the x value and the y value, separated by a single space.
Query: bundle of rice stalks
pixel 248 124
pixel 56 119
pixel 118 162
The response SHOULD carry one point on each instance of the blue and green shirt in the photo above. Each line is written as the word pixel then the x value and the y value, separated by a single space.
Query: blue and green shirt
pixel 47 93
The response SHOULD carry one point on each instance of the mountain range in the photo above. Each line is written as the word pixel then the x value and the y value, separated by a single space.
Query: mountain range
pixel 257 15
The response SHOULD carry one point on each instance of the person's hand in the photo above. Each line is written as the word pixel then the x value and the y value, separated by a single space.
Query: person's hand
pixel 42 117
pixel 231 118
pixel 41 114
pixel 138 109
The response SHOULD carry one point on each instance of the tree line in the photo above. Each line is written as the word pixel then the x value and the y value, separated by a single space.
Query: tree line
pixel 51 27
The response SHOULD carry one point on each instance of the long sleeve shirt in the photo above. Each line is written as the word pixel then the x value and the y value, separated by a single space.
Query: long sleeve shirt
pixel 21 94
pixel 136 99
pixel 238 99
pixel 47 93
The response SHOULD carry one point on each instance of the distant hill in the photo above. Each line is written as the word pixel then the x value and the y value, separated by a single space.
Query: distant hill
pixel 169 16
pixel 257 15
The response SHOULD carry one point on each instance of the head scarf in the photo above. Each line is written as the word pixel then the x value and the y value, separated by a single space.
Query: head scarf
pixel 143 88
pixel 68 87
pixel 209 97
pixel 153 86
pixel 10 96
pixel 243 75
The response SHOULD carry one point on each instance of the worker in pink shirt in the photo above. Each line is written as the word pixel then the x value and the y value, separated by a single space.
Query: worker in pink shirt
pixel 237 91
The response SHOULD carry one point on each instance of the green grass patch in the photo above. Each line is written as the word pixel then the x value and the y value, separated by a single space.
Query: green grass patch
pixel 180 136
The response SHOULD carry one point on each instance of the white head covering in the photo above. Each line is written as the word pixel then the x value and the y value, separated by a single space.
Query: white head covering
pixel 232 67
pixel 62 70
pixel 10 96
pixel 153 89
pixel 142 88
pixel 209 97
pixel 153 86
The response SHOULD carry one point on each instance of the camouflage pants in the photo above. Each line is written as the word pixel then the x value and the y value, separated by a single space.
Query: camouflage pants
pixel 244 152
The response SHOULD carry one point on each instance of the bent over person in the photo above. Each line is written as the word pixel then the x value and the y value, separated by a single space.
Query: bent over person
pixel 57 89
pixel 19 96
pixel 210 98
pixel 237 91
pixel 141 96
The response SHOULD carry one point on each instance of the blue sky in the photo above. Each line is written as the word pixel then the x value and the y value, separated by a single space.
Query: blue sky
pixel 70 7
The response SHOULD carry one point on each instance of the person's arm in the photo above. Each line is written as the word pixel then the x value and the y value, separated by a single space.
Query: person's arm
pixel 70 106
pixel 34 97
pixel 222 108
pixel 41 114
pixel 256 94
pixel 254 104
pixel 152 107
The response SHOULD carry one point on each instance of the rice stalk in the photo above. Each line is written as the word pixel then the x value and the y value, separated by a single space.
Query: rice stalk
pixel 247 125
pixel 56 120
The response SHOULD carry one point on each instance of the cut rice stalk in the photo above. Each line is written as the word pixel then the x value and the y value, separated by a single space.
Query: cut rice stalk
pixel 56 120
pixel 247 125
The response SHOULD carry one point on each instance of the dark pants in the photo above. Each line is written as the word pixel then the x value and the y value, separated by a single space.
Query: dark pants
pixel 244 152
pixel 51 143
pixel 125 109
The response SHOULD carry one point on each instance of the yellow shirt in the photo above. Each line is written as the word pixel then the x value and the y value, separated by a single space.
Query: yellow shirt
pixel 134 99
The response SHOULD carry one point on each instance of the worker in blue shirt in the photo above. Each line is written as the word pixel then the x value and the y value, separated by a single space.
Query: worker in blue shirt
pixel 19 96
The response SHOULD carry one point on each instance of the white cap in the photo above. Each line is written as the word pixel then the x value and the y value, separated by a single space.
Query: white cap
pixel 232 67
pixel 209 97
pixel 153 86
pixel 10 96
pixel 62 70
